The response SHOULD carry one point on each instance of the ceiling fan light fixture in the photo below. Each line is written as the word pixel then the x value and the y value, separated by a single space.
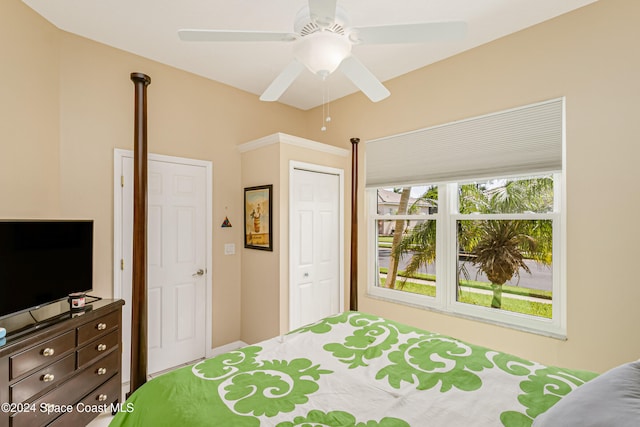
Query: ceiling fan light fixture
pixel 322 52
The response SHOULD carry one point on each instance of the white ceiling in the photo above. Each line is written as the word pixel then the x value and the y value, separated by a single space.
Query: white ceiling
pixel 149 28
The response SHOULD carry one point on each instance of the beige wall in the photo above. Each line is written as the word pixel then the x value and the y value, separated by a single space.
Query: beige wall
pixel 591 57
pixel 260 275
pixel 265 275
pixel 29 112
pixel 188 116
pixel 66 102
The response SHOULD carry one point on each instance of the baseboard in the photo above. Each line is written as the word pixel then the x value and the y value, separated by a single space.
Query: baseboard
pixel 225 348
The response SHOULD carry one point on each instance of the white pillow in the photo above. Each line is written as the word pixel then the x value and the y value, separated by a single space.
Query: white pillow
pixel 609 400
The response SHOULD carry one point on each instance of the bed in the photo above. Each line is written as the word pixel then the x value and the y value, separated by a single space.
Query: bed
pixel 354 369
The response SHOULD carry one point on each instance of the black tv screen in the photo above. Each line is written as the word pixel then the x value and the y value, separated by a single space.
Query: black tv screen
pixel 43 261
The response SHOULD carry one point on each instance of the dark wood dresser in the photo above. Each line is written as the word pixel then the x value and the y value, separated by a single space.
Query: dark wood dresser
pixel 64 373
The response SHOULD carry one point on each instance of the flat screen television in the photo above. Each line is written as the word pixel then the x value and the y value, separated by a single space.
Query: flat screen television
pixel 43 261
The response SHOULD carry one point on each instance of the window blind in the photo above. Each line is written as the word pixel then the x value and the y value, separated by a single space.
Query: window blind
pixel 521 140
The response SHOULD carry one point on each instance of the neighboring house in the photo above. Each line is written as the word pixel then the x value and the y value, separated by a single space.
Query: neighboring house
pixel 388 202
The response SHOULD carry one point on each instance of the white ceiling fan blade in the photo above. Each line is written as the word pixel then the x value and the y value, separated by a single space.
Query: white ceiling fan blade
pixel 363 79
pixel 283 81
pixel 410 33
pixel 234 36
pixel 323 12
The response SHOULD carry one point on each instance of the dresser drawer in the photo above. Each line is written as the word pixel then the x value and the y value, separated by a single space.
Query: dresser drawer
pixel 42 354
pixel 98 401
pixel 45 377
pixel 99 371
pixel 98 348
pixel 105 395
pixel 64 399
pixel 98 327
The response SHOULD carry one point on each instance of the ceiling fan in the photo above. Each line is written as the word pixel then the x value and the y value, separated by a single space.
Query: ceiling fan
pixel 322 41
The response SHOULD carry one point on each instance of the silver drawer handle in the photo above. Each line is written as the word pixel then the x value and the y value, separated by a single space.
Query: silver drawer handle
pixel 101 371
pixel 101 326
pixel 48 352
pixel 47 378
pixel 101 347
pixel 102 397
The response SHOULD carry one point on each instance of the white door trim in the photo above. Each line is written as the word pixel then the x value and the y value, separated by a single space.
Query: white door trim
pixel 118 155
pixel 296 165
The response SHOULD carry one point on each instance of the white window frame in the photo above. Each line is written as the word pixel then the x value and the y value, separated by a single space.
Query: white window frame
pixel 445 300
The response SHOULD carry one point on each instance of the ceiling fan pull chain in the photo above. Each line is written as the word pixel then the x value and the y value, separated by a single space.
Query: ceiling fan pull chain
pixel 324 104
pixel 328 116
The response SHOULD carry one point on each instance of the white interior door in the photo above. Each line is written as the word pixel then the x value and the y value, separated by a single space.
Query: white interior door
pixel 316 251
pixel 176 262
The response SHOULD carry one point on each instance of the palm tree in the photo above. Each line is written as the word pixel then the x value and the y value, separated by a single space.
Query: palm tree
pixel 397 238
pixel 499 251
pixel 497 247
pixel 420 241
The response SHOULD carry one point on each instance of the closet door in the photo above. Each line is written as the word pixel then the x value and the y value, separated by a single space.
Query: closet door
pixel 315 283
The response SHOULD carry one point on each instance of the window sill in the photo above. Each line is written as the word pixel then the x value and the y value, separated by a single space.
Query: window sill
pixel 550 332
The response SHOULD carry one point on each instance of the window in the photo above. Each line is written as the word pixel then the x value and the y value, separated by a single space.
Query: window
pixel 489 252
pixel 489 248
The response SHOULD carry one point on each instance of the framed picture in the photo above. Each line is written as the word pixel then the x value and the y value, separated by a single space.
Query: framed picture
pixel 258 224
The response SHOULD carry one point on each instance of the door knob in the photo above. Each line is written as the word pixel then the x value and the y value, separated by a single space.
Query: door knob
pixel 198 273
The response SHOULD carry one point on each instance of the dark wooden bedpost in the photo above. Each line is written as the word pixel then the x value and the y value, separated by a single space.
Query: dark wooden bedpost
pixel 139 266
pixel 353 302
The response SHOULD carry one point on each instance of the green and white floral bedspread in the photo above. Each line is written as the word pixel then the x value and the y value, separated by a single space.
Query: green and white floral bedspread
pixel 353 369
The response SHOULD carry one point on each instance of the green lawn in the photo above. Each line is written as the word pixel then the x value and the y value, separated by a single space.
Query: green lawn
pixel 535 308
pixel 515 290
